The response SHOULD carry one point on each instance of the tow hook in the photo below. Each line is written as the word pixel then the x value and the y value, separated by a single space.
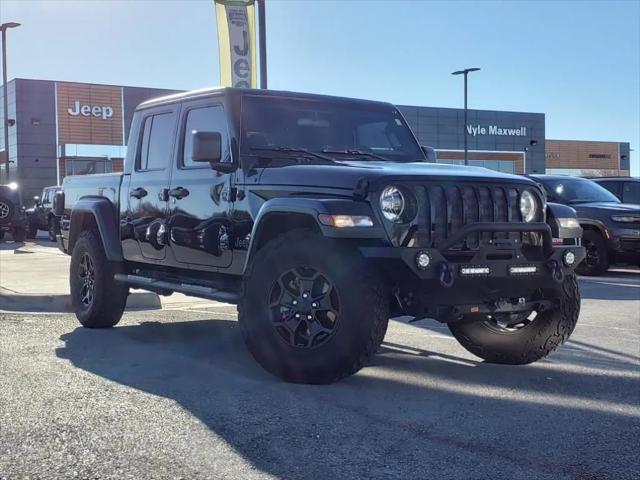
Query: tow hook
pixel 446 277
pixel 556 271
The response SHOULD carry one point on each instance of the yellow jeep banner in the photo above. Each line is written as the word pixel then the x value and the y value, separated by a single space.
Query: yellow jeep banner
pixel 237 43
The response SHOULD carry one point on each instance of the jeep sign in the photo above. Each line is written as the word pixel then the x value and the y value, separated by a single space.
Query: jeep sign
pixel 98 111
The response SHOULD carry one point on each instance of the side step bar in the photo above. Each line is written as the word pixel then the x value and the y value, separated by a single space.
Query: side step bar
pixel 164 286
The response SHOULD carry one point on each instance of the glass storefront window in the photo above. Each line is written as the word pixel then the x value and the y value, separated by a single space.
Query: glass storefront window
pixel 87 166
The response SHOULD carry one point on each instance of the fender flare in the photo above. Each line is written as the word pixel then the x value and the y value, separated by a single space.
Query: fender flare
pixel 104 215
pixel 312 208
pixel 558 210
pixel 597 224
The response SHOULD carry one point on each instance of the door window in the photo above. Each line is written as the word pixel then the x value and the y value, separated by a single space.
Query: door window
pixel 631 192
pixel 206 119
pixel 157 139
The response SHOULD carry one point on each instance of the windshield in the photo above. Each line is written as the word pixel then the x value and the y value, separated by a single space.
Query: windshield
pixel 577 190
pixel 337 129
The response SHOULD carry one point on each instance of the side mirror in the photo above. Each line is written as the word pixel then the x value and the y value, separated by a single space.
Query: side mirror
pixel 429 153
pixel 207 147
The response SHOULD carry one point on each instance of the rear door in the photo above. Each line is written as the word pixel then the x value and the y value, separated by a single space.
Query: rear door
pixel 631 193
pixel 201 198
pixel 147 196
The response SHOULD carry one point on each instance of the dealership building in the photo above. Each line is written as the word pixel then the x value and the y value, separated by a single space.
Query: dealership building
pixel 65 128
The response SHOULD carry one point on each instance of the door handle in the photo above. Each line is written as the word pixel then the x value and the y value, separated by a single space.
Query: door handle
pixel 138 193
pixel 178 192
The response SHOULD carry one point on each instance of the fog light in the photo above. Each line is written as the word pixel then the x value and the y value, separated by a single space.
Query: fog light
pixel 475 270
pixel 569 258
pixel 423 260
pixel 522 269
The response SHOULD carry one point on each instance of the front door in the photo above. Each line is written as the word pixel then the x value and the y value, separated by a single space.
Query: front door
pixel 200 198
pixel 147 195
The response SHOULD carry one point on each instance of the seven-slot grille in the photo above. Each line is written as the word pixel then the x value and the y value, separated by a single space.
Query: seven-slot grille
pixel 446 208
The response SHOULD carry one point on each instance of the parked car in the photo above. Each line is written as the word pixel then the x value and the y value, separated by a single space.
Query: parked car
pixel 12 215
pixel 611 228
pixel 41 216
pixel 321 219
pixel 627 189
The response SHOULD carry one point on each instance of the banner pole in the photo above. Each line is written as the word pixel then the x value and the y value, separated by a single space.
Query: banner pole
pixel 263 43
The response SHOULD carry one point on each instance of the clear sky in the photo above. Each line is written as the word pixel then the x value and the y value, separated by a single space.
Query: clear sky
pixel 576 61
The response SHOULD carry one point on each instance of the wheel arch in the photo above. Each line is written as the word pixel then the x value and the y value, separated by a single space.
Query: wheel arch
pixel 98 214
pixel 280 215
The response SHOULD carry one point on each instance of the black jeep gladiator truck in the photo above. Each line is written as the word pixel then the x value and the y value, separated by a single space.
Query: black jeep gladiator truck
pixel 321 219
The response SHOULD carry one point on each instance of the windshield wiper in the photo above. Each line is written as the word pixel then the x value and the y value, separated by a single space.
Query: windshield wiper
pixel 287 149
pixel 355 152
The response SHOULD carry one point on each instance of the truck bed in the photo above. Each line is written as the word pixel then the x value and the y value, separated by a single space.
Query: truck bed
pixel 103 185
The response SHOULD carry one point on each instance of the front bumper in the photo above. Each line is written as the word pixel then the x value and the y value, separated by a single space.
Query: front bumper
pixel 624 241
pixel 495 259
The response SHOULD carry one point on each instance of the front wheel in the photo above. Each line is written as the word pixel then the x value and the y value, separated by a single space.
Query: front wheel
pixel 596 261
pixel 98 300
pixel 517 340
pixel 312 311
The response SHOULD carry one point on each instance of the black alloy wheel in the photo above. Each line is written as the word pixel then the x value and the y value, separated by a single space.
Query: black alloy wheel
pixel 305 307
pixel 87 276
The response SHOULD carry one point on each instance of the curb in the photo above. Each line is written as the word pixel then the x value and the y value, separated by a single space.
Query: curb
pixel 24 303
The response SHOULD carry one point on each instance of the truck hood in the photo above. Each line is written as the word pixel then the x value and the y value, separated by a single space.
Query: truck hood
pixel 609 207
pixel 346 174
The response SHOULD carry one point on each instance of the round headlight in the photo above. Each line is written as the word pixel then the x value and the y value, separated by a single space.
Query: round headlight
pixel 392 203
pixel 528 206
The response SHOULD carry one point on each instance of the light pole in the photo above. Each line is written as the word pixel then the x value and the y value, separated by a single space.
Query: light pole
pixel 262 30
pixel 465 72
pixel 527 149
pixel 5 121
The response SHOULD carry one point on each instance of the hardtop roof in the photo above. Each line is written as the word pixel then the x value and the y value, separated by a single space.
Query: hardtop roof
pixel 229 91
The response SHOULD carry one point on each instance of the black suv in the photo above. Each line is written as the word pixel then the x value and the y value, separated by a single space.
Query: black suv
pixel 41 216
pixel 13 219
pixel 627 189
pixel 320 218
pixel 611 228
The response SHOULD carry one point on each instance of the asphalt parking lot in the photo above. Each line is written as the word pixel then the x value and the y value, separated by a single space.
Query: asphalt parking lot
pixel 172 393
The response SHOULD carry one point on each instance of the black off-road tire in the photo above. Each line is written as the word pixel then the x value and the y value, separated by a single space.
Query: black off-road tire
pixel 109 297
pixel 360 325
pixel 534 341
pixel 591 239
pixel 18 234
pixel 52 230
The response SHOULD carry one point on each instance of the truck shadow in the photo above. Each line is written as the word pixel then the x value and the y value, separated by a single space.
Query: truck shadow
pixel 405 414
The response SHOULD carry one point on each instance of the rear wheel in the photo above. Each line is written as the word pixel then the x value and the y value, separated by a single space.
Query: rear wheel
pixel 98 300
pixel 596 261
pixel 517 340
pixel 312 311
